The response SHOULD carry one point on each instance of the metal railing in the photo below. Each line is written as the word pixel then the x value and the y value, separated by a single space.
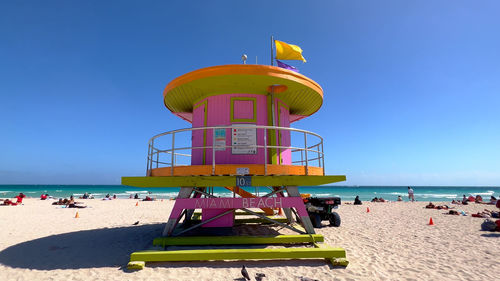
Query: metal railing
pixel 308 154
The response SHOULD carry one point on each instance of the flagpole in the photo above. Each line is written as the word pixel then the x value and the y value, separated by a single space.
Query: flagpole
pixel 272 50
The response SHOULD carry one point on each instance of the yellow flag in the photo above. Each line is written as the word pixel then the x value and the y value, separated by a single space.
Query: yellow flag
pixel 286 51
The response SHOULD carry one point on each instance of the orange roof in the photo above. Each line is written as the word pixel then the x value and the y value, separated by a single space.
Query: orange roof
pixel 303 95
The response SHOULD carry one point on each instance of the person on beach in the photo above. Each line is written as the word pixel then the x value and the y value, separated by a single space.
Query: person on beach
pixel 72 204
pixel 20 198
pixel 479 199
pixel 8 202
pixel 456 212
pixel 485 214
pixel 357 201
pixel 136 196
pixel 465 200
pixel 400 198
pixel 61 202
pixel 439 207
pixel 410 194
pixel 493 200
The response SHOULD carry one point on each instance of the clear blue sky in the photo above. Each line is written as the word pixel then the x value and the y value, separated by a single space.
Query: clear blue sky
pixel 412 88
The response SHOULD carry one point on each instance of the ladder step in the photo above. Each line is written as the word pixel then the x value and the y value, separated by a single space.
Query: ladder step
pixel 236 240
pixel 238 254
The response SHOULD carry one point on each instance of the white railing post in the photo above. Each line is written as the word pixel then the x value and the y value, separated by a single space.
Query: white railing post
pixel 213 151
pixel 305 147
pixel 172 164
pixel 147 159
pixel 319 156
pixel 152 152
pixel 322 157
pixel 301 157
pixel 265 151
pixel 157 158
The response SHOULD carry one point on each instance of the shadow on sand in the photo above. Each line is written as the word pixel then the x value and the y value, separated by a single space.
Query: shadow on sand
pixel 106 247
pixel 491 235
pixel 111 247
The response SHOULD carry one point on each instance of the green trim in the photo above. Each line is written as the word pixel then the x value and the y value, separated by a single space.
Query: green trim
pixel 236 240
pixel 252 120
pixel 271 134
pixel 205 116
pixel 219 94
pixel 278 113
pixel 200 104
pixel 136 265
pixel 238 254
pixel 204 181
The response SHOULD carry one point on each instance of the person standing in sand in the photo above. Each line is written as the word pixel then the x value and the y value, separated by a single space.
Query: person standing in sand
pixel 410 194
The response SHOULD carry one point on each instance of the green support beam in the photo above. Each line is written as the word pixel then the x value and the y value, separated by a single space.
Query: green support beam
pixel 204 181
pixel 236 240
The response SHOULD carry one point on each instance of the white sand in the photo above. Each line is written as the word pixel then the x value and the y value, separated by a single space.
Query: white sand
pixel 39 241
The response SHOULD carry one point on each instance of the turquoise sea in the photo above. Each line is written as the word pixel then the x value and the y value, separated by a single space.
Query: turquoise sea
pixel 347 193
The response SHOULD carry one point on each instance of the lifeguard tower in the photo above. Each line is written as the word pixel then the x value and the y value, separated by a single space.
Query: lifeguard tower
pixel 241 140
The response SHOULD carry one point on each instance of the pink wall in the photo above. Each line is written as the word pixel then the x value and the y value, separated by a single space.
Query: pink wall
pixel 219 114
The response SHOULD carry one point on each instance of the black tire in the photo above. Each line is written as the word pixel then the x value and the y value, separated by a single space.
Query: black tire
pixel 315 220
pixel 334 219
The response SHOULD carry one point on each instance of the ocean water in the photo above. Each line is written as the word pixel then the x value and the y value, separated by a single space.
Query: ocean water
pixel 347 193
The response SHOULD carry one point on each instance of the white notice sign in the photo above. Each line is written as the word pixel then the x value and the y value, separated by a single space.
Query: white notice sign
pixel 220 139
pixel 244 140
pixel 242 171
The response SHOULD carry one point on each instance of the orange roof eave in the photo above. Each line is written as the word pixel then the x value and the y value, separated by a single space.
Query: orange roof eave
pixel 244 69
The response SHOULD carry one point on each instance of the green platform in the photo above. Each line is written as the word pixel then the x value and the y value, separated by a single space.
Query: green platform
pixel 238 254
pixel 206 181
pixel 336 256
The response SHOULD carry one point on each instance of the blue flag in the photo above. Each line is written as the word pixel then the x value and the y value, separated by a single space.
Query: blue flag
pixel 286 66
